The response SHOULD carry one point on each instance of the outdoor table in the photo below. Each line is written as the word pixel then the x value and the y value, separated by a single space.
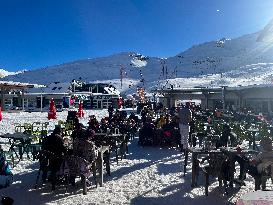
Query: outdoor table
pixel 232 152
pixel 103 150
pixel 114 141
pixel 257 197
pixel 195 152
pixel 253 132
pixel 24 139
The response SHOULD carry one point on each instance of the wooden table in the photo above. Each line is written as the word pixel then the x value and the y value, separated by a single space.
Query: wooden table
pixel 24 139
pixel 117 142
pixel 195 152
pixel 257 197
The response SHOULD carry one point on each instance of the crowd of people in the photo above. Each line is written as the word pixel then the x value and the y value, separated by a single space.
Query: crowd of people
pixel 187 124
pixel 54 147
pixel 179 127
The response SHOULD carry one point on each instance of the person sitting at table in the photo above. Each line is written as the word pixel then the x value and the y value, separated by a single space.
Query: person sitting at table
pixel 259 163
pixel 6 176
pixel 147 133
pixel 79 131
pixel 167 131
pixel 160 122
pixel 103 125
pixel 94 124
pixel 225 136
pixel 133 117
pixel 85 149
pixel 54 148
pixel 89 134
pixel 123 127
pixel 264 159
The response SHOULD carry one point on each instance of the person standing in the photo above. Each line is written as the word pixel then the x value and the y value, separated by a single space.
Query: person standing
pixel 185 117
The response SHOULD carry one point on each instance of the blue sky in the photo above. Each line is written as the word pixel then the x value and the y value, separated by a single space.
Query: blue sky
pixel 40 33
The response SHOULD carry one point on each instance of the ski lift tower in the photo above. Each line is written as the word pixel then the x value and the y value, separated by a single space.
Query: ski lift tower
pixel 224 96
pixel 121 75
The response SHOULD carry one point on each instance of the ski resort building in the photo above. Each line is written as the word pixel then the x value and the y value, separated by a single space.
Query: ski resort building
pixel 258 98
pixel 13 94
pixel 36 98
pixel 39 98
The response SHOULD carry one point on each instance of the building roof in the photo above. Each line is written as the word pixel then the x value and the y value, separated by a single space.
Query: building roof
pixel 53 88
pixel 250 87
pixel 212 89
pixel 18 85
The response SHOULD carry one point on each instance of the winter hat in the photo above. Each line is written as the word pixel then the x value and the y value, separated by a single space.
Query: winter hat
pixel 266 144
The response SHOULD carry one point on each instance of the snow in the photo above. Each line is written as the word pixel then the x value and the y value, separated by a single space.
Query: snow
pixel 12 83
pixel 111 90
pixel 149 175
pixel 138 63
pixel 4 73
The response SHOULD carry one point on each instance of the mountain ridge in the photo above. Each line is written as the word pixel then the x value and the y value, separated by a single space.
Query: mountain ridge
pixel 216 57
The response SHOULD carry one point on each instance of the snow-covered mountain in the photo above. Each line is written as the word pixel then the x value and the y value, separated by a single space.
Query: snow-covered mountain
pixel 104 68
pixel 5 73
pixel 229 60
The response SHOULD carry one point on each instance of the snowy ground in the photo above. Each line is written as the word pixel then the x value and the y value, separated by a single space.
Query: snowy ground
pixel 149 175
